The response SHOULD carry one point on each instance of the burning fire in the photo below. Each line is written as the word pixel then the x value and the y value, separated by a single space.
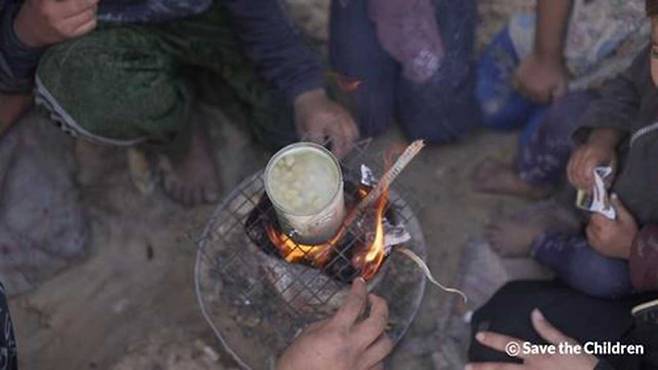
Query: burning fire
pixel 370 259
pixel 367 258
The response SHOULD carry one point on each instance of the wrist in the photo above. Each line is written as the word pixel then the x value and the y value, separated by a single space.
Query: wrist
pixel 604 138
pixel 24 34
pixel 627 251
pixel 310 95
pixel 548 56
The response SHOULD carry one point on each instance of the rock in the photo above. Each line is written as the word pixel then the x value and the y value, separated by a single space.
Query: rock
pixel 42 222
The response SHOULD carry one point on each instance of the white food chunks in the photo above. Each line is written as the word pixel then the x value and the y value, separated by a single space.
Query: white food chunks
pixel 303 181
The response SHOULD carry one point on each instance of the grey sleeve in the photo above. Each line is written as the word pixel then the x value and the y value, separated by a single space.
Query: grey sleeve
pixel 619 102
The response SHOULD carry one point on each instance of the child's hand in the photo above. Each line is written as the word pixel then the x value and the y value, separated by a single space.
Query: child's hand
pixel 580 169
pixel 319 118
pixel 344 342
pixel 541 79
pixel 516 347
pixel 42 23
pixel 613 238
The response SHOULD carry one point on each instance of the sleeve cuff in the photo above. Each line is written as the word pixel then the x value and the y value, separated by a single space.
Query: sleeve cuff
pixel 19 61
pixel 305 84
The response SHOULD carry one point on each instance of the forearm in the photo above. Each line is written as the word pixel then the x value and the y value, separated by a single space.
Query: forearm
pixel 551 30
pixel 274 44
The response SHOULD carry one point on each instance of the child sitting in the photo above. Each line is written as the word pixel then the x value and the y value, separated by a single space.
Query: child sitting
pixel 607 259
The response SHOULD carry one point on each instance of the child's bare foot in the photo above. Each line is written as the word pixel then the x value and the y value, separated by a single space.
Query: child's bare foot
pixel 513 236
pixel 194 178
pixel 496 177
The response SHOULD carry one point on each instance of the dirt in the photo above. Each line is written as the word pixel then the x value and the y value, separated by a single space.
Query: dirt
pixel 130 304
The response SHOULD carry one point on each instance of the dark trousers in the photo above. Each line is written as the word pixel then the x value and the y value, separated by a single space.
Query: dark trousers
pixel 440 110
pixel 579 316
pixel 544 151
pixel 8 358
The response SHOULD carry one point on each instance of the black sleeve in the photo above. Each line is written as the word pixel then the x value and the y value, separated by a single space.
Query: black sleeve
pixel 603 365
pixel 276 46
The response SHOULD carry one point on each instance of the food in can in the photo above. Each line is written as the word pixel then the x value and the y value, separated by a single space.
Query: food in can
pixel 305 184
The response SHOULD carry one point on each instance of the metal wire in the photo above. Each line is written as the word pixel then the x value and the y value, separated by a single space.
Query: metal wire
pixel 231 265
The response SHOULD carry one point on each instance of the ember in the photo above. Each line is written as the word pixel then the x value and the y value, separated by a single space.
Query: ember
pixel 359 243
pixel 367 258
pixel 251 295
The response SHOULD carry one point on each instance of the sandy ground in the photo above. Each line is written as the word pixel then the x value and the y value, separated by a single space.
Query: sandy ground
pixel 130 304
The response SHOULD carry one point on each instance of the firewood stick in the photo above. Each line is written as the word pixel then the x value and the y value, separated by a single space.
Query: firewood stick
pixel 386 180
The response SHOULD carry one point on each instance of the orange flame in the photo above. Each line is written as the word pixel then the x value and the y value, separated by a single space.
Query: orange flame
pixel 370 259
pixel 293 252
pixel 345 83
pixel 367 258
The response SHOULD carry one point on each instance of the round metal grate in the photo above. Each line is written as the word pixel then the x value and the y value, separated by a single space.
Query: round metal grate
pixel 257 303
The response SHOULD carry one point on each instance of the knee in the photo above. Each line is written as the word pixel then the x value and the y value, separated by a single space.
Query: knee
pixel 502 106
pixel 434 131
pixel 374 110
pixel 564 114
pixel 104 91
pixel 487 317
pixel 505 110
pixel 601 277
pixel 441 111
pixel 608 289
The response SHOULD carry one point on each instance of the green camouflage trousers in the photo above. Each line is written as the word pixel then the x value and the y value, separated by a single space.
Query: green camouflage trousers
pixel 130 84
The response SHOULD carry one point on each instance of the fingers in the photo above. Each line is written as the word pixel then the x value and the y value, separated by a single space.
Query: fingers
pixel 598 222
pixel 353 305
pixel 571 172
pixel 85 28
pixel 315 326
pixel 534 94
pixel 499 342
pixel 493 366
pixel 560 89
pixel 372 328
pixel 538 96
pixel 593 237
pixel 584 173
pixel 379 366
pixel 71 8
pixel 376 353
pixel 546 330
pixel 316 136
pixel 343 134
pixel 622 212
pixel 574 171
pixel 580 169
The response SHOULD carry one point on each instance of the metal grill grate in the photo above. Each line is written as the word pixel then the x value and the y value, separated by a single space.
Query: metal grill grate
pixel 254 299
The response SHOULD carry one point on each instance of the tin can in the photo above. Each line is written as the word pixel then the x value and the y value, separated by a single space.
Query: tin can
pixel 313 225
